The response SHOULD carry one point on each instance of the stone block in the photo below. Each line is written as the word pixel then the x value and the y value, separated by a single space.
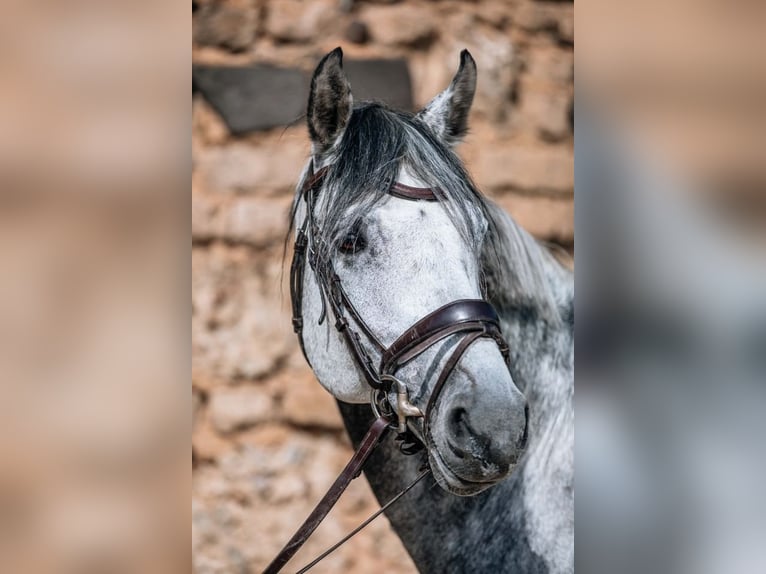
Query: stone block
pixel 556 18
pixel 252 98
pixel 209 444
pixel 307 403
pixel 548 113
pixel 208 126
pixel 400 25
pixel 258 221
pixel 497 13
pixel 299 21
pixel 552 67
pixel 205 218
pixel 229 24
pixel 240 324
pixel 520 167
pixel 357 32
pixel 549 218
pixel 288 488
pixel 241 168
pixel 566 28
pixel 239 407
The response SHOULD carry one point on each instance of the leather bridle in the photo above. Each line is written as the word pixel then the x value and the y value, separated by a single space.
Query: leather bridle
pixel 472 319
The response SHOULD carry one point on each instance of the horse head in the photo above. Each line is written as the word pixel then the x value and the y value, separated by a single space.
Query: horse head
pixel 386 260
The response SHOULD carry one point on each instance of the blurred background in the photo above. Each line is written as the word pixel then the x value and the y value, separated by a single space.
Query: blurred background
pixel 94 361
pixel 671 287
pixel 267 439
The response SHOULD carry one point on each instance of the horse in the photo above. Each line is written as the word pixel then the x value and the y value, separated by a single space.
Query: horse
pixel 495 421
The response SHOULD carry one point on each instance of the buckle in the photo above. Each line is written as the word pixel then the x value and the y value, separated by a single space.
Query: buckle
pixel 403 408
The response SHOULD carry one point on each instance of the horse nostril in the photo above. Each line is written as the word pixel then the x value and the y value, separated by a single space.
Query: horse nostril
pixel 493 446
pixel 457 423
pixel 459 432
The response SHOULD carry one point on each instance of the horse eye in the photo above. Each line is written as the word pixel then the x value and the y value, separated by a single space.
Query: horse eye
pixel 354 242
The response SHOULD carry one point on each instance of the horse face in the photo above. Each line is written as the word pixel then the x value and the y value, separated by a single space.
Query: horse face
pixel 399 261
pixel 403 260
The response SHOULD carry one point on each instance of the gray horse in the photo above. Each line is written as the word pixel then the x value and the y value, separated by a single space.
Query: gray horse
pixel 500 497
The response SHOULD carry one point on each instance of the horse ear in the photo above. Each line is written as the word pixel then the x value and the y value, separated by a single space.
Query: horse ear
pixel 447 113
pixel 330 102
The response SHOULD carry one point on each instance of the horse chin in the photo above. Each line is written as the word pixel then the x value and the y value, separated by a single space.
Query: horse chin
pixel 450 481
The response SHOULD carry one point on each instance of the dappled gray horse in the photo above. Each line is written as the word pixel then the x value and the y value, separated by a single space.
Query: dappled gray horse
pixel 498 431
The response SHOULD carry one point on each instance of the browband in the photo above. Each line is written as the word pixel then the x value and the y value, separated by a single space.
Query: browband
pixel 413 193
pixel 397 189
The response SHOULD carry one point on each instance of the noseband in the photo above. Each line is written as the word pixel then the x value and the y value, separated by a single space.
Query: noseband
pixel 471 319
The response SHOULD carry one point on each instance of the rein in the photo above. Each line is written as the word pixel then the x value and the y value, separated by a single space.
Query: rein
pixel 472 319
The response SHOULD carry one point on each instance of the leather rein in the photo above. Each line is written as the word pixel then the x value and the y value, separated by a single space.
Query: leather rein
pixel 472 319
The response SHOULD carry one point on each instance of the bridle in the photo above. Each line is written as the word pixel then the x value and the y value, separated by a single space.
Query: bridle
pixel 471 319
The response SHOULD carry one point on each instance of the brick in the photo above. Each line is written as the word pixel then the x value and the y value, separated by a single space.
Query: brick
pixel 513 166
pixel 552 67
pixel 208 126
pixel 299 21
pixel 240 407
pixel 240 325
pixel 554 17
pixel 271 435
pixel 258 221
pixel 206 222
pixel 566 28
pixel 240 168
pixel 544 217
pixel 229 24
pixel 357 32
pixel 495 13
pixel 209 444
pixel 400 25
pixel 548 114
pixel 307 403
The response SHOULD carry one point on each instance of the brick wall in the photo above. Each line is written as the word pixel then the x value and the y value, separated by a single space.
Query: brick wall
pixel 267 439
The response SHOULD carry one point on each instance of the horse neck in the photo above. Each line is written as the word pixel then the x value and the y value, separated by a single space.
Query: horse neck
pixel 542 365
pixel 534 297
pixel 542 348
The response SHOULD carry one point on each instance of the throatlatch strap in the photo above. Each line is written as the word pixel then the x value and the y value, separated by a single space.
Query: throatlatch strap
pixel 350 472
